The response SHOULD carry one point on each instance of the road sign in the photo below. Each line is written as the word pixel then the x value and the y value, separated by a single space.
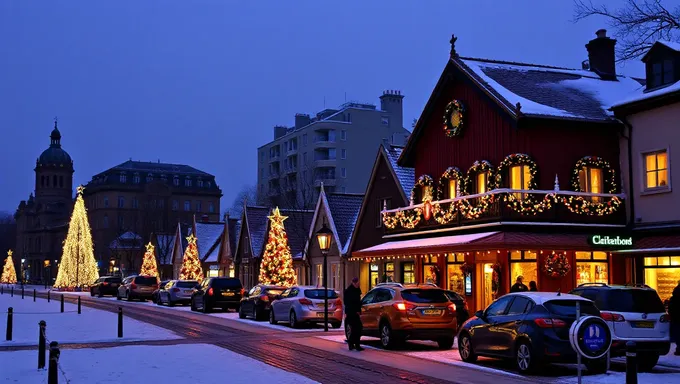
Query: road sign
pixel 590 337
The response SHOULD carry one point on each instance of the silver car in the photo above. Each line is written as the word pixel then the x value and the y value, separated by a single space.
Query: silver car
pixel 305 305
pixel 176 292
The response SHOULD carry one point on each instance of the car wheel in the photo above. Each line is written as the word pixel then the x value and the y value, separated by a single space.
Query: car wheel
pixel 128 296
pixel 92 292
pixel 445 343
pixel 100 294
pixel 206 308
pixel 118 296
pixel 193 306
pixel 257 316
pixel 336 325
pixel 170 302
pixel 292 320
pixel 465 350
pixel 387 339
pixel 348 332
pixel 524 358
pixel 647 362
pixel 241 315
pixel 272 319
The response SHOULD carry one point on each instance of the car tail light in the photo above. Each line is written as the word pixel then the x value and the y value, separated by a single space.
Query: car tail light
pixel 400 306
pixel 242 291
pixel 615 317
pixel 175 289
pixel 550 323
pixel 665 319
pixel 264 298
pixel 338 303
pixel 210 292
pixel 133 286
pixel 452 307
pixel 305 302
pixel 105 283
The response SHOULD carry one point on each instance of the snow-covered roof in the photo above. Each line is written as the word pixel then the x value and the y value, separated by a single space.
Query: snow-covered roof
pixel 208 236
pixel 670 44
pixel 641 95
pixel 405 176
pixel 545 91
pixel 344 210
pixel 296 227
pixel 128 240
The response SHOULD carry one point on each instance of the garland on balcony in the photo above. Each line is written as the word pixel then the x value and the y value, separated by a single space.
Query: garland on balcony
pixel 466 208
pixel 409 219
pixel 588 206
pixel 526 205
pixel 453 118
pixel 556 265
pixel 426 185
pixel 390 219
pixel 451 173
pixel 444 215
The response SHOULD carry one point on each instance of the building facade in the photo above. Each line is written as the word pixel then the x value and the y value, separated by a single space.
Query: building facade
pixel 42 220
pixel 331 148
pixel 516 174
pixel 651 117
pixel 143 198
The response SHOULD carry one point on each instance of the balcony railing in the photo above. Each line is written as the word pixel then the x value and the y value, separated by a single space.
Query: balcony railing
pixel 510 205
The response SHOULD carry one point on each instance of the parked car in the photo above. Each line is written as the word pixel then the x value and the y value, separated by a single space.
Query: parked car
pixel 105 285
pixel 257 302
pixel 137 288
pixel 633 313
pixel 530 328
pixel 396 313
pixel 154 296
pixel 217 292
pixel 176 292
pixel 300 305
pixel 462 313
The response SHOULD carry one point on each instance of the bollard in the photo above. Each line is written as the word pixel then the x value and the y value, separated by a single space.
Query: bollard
pixel 41 344
pixel 120 321
pixel 62 303
pixel 12 292
pixel 48 296
pixel 631 363
pixel 10 314
pixel 22 292
pixel 79 305
pixel 34 295
pixel 2 290
pixel 52 374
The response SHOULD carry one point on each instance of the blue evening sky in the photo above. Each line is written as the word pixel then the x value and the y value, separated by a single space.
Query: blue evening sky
pixel 203 82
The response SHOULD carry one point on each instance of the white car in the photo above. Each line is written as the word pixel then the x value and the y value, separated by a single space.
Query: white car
pixel 305 305
pixel 633 313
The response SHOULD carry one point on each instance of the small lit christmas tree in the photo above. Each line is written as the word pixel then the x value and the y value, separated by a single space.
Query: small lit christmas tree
pixel 149 267
pixel 78 267
pixel 277 263
pixel 9 274
pixel 191 265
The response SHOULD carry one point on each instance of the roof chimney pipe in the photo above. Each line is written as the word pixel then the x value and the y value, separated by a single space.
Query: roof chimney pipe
pixel 601 55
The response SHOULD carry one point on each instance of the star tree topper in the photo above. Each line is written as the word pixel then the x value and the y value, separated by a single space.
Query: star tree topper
pixel 191 239
pixel 80 189
pixel 149 247
pixel 277 217
pixel 10 253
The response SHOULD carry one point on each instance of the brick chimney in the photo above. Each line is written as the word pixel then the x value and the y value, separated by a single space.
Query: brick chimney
pixel 601 55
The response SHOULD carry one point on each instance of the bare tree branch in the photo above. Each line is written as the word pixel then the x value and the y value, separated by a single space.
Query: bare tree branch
pixel 636 24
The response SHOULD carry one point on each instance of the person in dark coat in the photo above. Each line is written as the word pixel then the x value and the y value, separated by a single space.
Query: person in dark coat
pixel 533 287
pixel 519 285
pixel 674 312
pixel 353 314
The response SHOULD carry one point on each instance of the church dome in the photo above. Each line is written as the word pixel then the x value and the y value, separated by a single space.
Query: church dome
pixel 55 155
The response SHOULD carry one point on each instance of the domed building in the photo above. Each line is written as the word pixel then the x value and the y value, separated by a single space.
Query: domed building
pixel 42 220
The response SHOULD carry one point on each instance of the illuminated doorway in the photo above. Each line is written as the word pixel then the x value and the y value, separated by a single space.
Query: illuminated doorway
pixel 487 291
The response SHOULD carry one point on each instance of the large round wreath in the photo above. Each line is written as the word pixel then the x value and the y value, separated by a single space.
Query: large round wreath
pixel 584 206
pixel 453 118
pixel 475 211
pixel 556 265
pixel 526 204
pixel 424 182
pixel 451 173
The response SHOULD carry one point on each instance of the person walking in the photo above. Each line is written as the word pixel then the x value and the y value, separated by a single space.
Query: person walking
pixel 519 285
pixel 353 314
pixel 674 312
pixel 533 287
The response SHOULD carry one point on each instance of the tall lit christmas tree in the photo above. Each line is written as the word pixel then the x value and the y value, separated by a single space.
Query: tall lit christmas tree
pixel 149 267
pixel 9 274
pixel 277 263
pixel 78 267
pixel 191 265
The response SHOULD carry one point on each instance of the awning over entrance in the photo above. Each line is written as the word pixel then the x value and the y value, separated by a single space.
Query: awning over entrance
pixel 479 241
pixel 430 244
pixel 654 244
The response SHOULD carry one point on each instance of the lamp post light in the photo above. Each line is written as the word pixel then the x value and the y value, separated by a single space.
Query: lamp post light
pixel 48 272
pixel 324 237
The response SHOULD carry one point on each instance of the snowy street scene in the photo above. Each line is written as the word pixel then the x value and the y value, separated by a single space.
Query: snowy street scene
pixel 344 192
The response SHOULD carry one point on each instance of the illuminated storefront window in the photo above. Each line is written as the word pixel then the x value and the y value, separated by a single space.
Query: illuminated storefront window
pixel 592 267
pixel 408 275
pixel 430 269
pixel 231 270
pixel 374 275
pixel 389 272
pixel 455 280
pixel 523 263
pixel 662 273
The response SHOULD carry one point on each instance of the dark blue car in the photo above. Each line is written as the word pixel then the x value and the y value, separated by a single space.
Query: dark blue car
pixel 530 328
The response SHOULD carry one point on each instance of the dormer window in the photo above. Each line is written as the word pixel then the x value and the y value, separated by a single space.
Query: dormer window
pixel 662 73
pixel 123 178
pixel 175 180
pixel 187 182
pixel 149 178
pixel 200 183
pixel 135 178
pixel 164 177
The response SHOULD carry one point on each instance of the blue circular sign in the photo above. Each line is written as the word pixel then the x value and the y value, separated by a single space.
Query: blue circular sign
pixel 594 338
pixel 590 336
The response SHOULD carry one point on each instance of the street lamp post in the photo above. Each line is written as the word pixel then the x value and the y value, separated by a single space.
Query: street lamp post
pixel 324 238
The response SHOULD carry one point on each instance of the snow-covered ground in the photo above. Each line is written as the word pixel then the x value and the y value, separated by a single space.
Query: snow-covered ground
pixel 189 363
pixel 69 327
pixel 620 378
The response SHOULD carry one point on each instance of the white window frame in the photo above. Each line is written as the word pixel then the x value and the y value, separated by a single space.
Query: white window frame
pixel 643 169
pixel 343 172
pixel 343 135
pixel 343 154
pixel 319 275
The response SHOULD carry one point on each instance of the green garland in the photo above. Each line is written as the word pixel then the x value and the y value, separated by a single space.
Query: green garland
pixel 526 205
pixel 475 211
pixel 453 118
pixel 584 206
pixel 451 173
pixel 423 181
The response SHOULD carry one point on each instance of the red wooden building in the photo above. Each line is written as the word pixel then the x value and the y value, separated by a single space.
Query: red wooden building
pixel 516 173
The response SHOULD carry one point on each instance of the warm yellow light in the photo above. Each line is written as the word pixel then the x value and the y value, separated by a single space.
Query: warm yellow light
pixel 9 274
pixel 149 267
pixel 276 267
pixel 191 265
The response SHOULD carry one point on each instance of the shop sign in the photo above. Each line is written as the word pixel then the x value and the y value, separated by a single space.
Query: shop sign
pixel 468 284
pixel 611 241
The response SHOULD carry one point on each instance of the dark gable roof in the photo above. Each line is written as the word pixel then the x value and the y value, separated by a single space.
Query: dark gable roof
pixel 344 210
pixel 257 225
pixel 234 230
pixel 297 227
pixel 405 176
pixel 169 169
